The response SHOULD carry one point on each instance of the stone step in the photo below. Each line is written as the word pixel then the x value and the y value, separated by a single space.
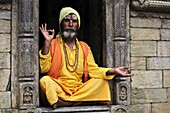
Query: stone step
pixel 76 109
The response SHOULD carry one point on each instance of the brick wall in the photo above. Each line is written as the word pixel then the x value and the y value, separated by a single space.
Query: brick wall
pixel 150 62
pixel 5 50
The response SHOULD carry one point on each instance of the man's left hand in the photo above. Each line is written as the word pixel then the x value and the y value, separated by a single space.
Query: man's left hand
pixel 124 71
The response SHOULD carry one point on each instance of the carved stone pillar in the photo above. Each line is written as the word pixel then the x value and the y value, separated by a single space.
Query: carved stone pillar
pixel 121 50
pixel 27 44
pixel 121 55
pixel 117 47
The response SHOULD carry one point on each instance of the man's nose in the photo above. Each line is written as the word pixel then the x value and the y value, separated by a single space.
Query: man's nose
pixel 71 23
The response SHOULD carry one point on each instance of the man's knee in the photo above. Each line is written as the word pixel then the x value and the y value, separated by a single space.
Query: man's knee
pixel 44 80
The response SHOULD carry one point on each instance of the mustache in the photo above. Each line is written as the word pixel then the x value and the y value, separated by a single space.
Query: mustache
pixel 70 28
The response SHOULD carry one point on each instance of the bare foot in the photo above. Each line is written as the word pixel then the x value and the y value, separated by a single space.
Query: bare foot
pixel 62 103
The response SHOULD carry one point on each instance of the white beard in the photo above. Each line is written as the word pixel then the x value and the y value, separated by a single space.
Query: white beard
pixel 69 34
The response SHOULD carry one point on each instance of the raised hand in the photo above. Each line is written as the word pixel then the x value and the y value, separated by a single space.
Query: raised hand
pixel 47 33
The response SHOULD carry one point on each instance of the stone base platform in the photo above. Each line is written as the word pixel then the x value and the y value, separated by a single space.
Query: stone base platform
pixel 77 109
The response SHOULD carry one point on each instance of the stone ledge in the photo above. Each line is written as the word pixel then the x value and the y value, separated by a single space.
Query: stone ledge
pixel 83 109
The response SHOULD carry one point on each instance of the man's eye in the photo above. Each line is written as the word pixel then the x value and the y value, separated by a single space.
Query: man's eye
pixel 67 20
pixel 75 20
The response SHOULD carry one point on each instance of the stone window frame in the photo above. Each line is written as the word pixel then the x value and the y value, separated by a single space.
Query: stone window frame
pixel 25 35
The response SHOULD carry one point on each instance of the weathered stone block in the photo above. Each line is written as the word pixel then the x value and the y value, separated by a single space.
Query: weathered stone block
pixel 145 34
pixel 5 14
pixel 158 63
pixel 9 111
pixel 5 26
pixel 168 93
pixel 166 79
pixel 161 108
pixel 164 48
pixel 143 48
pixel 165 23
pixel 140 96
pixel 146 79
pixel 4 60
pixel 140 108
pixel 151 23
pixel 4 79
pixel 30 111
pixel 165 34
pixel 5 101
pixel 4 42
pixel 138 63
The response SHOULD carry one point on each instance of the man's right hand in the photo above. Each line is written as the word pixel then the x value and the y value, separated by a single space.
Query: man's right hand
pixel 47 33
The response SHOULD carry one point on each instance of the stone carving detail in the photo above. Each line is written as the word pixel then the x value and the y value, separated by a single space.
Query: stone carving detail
pixel 120 110
pixel 26 11
pixel 5 6
pixel 151 5
pixel 123 93
pixel 26 58
pixel 149 14
pixel 28 95
pixel 26 16
pixel 120 32
pixel 122 90
pixel 120 18
pixel 120 53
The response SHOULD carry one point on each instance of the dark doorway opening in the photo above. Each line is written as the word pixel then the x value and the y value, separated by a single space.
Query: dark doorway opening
pixel 91 29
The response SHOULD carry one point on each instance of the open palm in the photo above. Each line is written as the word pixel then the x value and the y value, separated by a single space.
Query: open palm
pixel 123 71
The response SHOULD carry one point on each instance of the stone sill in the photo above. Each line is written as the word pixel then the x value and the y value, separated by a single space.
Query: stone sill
pixel 79 109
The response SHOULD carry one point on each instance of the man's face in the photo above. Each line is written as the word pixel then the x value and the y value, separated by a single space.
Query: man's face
pixel 70 26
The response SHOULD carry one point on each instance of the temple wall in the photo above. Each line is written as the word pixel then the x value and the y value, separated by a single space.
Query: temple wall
pixel 5 55
pixel 149 61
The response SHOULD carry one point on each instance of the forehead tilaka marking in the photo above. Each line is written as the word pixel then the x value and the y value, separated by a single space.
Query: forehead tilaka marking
pixel 71 17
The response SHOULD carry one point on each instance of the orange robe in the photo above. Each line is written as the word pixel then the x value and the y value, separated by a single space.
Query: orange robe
pixel 68 85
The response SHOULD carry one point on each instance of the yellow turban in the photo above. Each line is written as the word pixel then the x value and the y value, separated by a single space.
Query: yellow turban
pixel 67 10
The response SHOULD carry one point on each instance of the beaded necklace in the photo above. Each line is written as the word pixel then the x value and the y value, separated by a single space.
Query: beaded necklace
pixel 75 64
